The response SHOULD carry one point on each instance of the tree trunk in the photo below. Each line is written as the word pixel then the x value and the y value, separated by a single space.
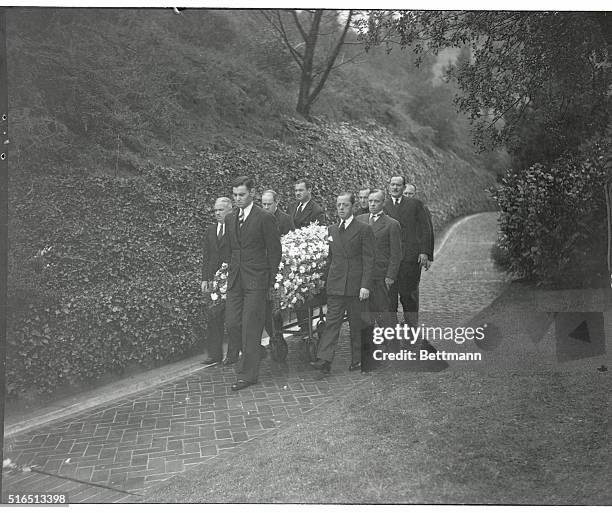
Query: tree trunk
pixel 303 105
pixel 310 43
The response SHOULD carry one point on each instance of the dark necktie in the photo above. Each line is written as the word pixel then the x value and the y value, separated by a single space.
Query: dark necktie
pixel 241 218
pixel 342 228
pixel 220 231
pixel 373 219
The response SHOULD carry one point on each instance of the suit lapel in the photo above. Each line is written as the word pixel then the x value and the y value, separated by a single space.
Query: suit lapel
pixel 348 234
pixel 216 238
pixel 247 221
pixel 351 231
pixel 298 215
pixel 301 216
pixel 211 235
pixel 307 210
pixel 223 240
pixel 392 209
pixel 237 225
pixel 379 224
pixel 339 236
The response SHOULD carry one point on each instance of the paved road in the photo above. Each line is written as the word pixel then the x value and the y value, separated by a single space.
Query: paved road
pixel 116 452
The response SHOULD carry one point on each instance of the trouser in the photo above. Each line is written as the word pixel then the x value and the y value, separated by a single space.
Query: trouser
pixel 407 285
pixel 380 302
pixel 380 315
pixel 336 306
pixel 245 311
pixel 214 333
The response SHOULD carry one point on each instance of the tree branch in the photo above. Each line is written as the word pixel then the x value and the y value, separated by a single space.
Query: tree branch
pixel 296 20
pixel 331 59
pixel 297 56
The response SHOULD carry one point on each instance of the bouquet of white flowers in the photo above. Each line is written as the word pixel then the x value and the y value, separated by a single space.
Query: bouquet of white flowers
pixel 218 293
pixel 300 272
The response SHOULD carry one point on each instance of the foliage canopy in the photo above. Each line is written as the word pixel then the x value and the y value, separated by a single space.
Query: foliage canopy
pixel 535 81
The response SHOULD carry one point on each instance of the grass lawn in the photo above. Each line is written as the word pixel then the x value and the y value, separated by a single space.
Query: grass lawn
pixel 428 438
pixel 523 430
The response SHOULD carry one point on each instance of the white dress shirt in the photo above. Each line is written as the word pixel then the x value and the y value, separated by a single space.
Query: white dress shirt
pixel 346 222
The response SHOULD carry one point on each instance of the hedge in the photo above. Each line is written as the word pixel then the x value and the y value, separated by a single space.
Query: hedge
pixel 120 285
pixel 553 219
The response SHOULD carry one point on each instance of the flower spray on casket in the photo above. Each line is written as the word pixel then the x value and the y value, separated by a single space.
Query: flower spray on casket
pixel 300 273
pixel 299 277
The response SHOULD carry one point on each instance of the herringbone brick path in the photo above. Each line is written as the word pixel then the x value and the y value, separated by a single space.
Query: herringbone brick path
pixel 114 453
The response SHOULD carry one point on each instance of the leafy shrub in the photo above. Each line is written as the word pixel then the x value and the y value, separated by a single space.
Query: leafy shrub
pixel 500 256
pixel 553 218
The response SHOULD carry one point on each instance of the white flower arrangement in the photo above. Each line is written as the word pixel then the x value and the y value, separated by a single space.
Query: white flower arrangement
pixel 302 265
pixel 218 293
pixel 300 272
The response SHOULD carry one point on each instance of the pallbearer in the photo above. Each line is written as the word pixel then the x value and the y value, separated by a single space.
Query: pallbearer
pixel 215 251
pixel 349 281
pixel 254 242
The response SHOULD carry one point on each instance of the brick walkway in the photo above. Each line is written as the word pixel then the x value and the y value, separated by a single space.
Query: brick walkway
pixel 116 452
pixel 462 279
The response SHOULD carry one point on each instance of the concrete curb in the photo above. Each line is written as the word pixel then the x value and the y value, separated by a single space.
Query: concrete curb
pixel 102 395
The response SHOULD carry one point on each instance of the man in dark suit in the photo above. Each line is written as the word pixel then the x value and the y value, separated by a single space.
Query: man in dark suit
pixel 361 205
pixel 254 243
pixel 410 191
pixel 351 261
pixel 388 235
pixel 415 245
pixel 269 202
pixel 215 251
pixel 304 212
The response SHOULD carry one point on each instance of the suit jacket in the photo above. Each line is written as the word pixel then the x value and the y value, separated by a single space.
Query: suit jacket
pixel 351 259
pixel 416 236
pixel 430 247
pixel 255 249
pixel 312 212
pixel 285 223
pixel 388 235
pixel 214 252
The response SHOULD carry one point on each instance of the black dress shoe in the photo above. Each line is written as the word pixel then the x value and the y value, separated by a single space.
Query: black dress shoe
pixel 211 361
pixel 241 383
pixel 355 366
pixel 321 365
pixel 230 360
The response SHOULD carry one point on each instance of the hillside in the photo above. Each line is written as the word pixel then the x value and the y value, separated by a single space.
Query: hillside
pixel 107 88
pixel 127 124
